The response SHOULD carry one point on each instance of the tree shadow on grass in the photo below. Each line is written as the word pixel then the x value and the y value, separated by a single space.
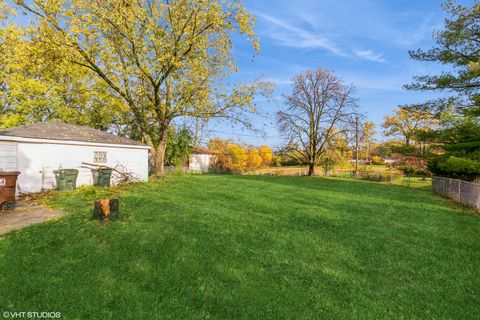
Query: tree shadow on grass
pixel 245 247
pixel 366 190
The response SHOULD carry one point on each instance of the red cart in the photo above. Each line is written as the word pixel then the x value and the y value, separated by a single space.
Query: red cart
pixel 8 185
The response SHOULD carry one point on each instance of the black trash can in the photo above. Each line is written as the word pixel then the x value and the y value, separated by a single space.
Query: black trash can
pixel 66 179
pixel 102 177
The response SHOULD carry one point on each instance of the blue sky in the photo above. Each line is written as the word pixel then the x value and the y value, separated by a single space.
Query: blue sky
pixel 365 42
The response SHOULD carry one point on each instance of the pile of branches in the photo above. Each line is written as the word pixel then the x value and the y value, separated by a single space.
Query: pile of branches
pixel 120 173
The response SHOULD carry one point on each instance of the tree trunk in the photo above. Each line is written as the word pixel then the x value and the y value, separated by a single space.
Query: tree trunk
pixel 407 141
pixel 195 137
pixel 160 151
pixel 311 169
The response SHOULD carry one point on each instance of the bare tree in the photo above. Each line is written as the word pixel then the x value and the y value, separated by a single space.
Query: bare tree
pixel 319 108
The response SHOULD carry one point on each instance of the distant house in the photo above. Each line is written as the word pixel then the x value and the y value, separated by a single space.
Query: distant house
pixel 37 150
pixel 200 160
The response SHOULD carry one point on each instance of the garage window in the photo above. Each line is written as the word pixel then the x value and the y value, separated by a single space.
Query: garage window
pixel 99 157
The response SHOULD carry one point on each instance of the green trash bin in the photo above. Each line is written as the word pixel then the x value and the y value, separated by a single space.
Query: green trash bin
pixel 101 177
pixel 66 179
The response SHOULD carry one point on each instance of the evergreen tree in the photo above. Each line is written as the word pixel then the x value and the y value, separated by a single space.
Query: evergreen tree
pixel 458 46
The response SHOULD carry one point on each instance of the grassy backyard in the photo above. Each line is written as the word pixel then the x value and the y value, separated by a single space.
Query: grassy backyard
pixel 249 247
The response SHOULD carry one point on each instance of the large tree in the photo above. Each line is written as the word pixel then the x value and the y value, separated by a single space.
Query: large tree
pixel 165 59
pixel 335 153
pixel 38 84
pixel 461 156
pixel 367 134
pixel 407 123
pixel 457 46
pixel 179 146
pixel 319 108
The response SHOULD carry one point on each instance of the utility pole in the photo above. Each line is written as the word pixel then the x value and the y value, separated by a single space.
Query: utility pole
pixel 356 146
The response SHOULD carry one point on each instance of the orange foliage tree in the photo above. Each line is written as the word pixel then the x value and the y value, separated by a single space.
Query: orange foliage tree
pixel 267 155
pixel 239 156
pixel 255 161
pixel 221 149
pixel 233 157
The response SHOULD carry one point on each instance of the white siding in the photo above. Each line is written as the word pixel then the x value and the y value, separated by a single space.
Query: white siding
pixel 30 165
pixel 8 155
pixel 199 162
pixel 38 161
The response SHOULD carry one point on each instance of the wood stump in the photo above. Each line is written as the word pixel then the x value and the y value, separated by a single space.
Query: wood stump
pixel 106 209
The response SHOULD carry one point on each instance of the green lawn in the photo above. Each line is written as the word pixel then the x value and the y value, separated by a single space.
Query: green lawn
pixel 249 247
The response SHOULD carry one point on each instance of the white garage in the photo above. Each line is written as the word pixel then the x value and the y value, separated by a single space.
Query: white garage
pixel 200 160
pixel 37 150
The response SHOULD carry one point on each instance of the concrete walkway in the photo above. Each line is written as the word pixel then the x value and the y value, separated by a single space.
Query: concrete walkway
pixel 25 215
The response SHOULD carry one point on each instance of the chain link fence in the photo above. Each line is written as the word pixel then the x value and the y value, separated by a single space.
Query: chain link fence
pixel 467 193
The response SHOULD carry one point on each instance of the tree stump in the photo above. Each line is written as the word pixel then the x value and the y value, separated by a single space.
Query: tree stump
pixel 106 209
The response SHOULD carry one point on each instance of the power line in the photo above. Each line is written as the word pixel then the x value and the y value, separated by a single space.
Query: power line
pixel 248 135
pixel 238 153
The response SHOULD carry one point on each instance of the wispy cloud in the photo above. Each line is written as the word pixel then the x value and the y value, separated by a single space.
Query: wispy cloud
pixel 376 83
pixel 417 33
pixel 292 36
pixel 280 81
pixel 370 19
pixel 370 55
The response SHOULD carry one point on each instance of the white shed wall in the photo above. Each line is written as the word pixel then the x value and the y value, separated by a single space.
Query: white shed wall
pixel 199 162
pixel 36 162
pixel 30 164
pixel 8 155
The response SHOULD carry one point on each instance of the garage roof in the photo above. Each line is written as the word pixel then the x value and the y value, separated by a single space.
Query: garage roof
pixel 201 150
pixel 66 132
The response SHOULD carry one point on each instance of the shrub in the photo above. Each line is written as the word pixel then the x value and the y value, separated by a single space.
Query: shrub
pixel 455 167
pixel 376 160
pixel 409 161
pixel 277 161
pixel 414 171
pixel 378 177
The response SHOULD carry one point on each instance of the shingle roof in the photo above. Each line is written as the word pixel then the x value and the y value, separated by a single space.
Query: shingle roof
pixel 200 150
pixel 66 132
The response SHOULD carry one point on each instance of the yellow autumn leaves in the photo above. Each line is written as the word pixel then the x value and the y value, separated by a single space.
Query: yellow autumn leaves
pixel 233 157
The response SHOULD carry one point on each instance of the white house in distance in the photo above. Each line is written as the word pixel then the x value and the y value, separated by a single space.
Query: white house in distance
pixel 37 150
pixel 200 160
